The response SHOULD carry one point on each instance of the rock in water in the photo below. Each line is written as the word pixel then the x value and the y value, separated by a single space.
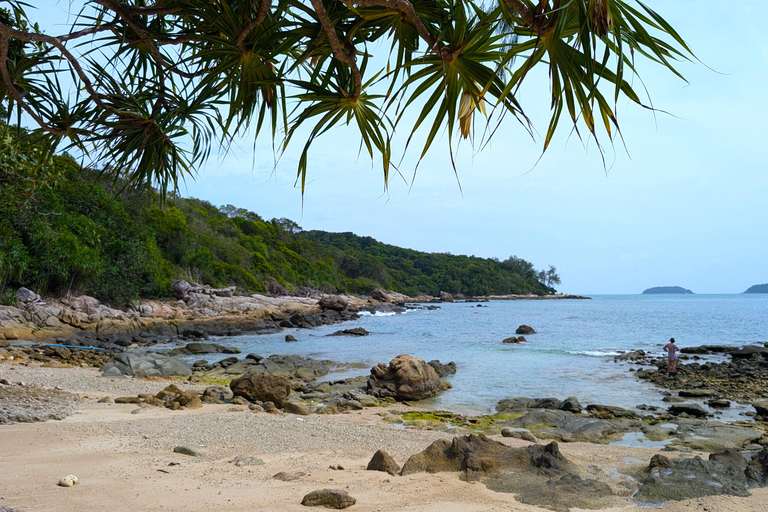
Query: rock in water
pixel 268 387
pixel 406 378
pixel 328 498
pixel 382 461
pixel 525 329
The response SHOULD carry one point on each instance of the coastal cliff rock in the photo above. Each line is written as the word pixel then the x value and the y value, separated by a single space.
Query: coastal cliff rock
pixel 84 321
pixel 406 378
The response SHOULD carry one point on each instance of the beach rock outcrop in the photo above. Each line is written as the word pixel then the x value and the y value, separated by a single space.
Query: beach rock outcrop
pixel 328 498
pixel 406 378
pixel 682 479
pixel 382 461
pixel 145 366
pixel 255 386
pixel 538 474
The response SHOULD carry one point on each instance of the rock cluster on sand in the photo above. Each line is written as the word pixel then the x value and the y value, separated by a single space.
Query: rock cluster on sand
pixel 171 397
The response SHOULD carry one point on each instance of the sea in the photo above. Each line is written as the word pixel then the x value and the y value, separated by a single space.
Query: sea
pixel 571 354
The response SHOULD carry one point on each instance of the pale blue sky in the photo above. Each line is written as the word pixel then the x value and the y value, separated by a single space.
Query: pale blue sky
pixel 686 206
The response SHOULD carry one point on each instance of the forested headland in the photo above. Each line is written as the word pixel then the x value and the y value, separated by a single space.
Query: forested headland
pixel 63 230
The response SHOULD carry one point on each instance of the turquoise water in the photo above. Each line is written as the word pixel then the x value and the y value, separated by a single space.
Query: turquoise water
pixel 570 355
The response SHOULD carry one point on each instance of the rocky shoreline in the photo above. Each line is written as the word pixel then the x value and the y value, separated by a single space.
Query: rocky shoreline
pixel 293 385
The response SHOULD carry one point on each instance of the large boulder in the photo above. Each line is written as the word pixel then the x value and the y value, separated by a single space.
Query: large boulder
pixel 406 378
pixel 334 303
pixel 446 297
pixel 255 386
pixel 380 295
pixel 180 288
pixel 26 295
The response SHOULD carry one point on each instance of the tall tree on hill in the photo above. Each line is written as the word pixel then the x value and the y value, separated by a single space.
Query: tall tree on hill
pixel 158 83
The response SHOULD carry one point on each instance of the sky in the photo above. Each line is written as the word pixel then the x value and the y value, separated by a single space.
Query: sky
pixel 681 202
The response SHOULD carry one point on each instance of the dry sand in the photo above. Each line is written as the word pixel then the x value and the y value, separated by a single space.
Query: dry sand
pixel 124 460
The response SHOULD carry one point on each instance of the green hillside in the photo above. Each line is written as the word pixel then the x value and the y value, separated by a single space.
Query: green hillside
pixel 63 231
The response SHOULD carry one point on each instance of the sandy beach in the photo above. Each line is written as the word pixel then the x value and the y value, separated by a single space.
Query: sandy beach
pixel 124 460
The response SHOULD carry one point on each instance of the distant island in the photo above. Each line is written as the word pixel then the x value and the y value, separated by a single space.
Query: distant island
pixel 668 290
pixel 758 288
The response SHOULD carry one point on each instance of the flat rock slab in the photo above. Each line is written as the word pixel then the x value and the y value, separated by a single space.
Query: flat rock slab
pixel 32 403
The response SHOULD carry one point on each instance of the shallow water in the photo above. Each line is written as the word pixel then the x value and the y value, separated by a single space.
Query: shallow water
pixel 570 355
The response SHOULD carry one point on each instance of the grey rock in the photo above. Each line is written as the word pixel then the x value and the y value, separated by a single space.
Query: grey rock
pixel 188 450
pixel 289 477
pixel 180 288
pixel 443 370
pixel 694 410
pixel 26 295
pixel 218 394
pixel 523 434
pixel 148 365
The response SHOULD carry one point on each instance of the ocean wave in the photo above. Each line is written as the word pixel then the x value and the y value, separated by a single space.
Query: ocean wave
pixel 377 313
pixel 595 353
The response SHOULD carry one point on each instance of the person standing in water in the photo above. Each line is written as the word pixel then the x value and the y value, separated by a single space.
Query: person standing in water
pixel 671 349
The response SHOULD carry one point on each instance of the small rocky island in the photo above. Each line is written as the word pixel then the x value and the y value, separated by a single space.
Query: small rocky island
pixel 758 288
pixel 667 290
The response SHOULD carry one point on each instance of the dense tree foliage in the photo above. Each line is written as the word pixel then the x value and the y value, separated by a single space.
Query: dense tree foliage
pixel 62 232
pixel 157 83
